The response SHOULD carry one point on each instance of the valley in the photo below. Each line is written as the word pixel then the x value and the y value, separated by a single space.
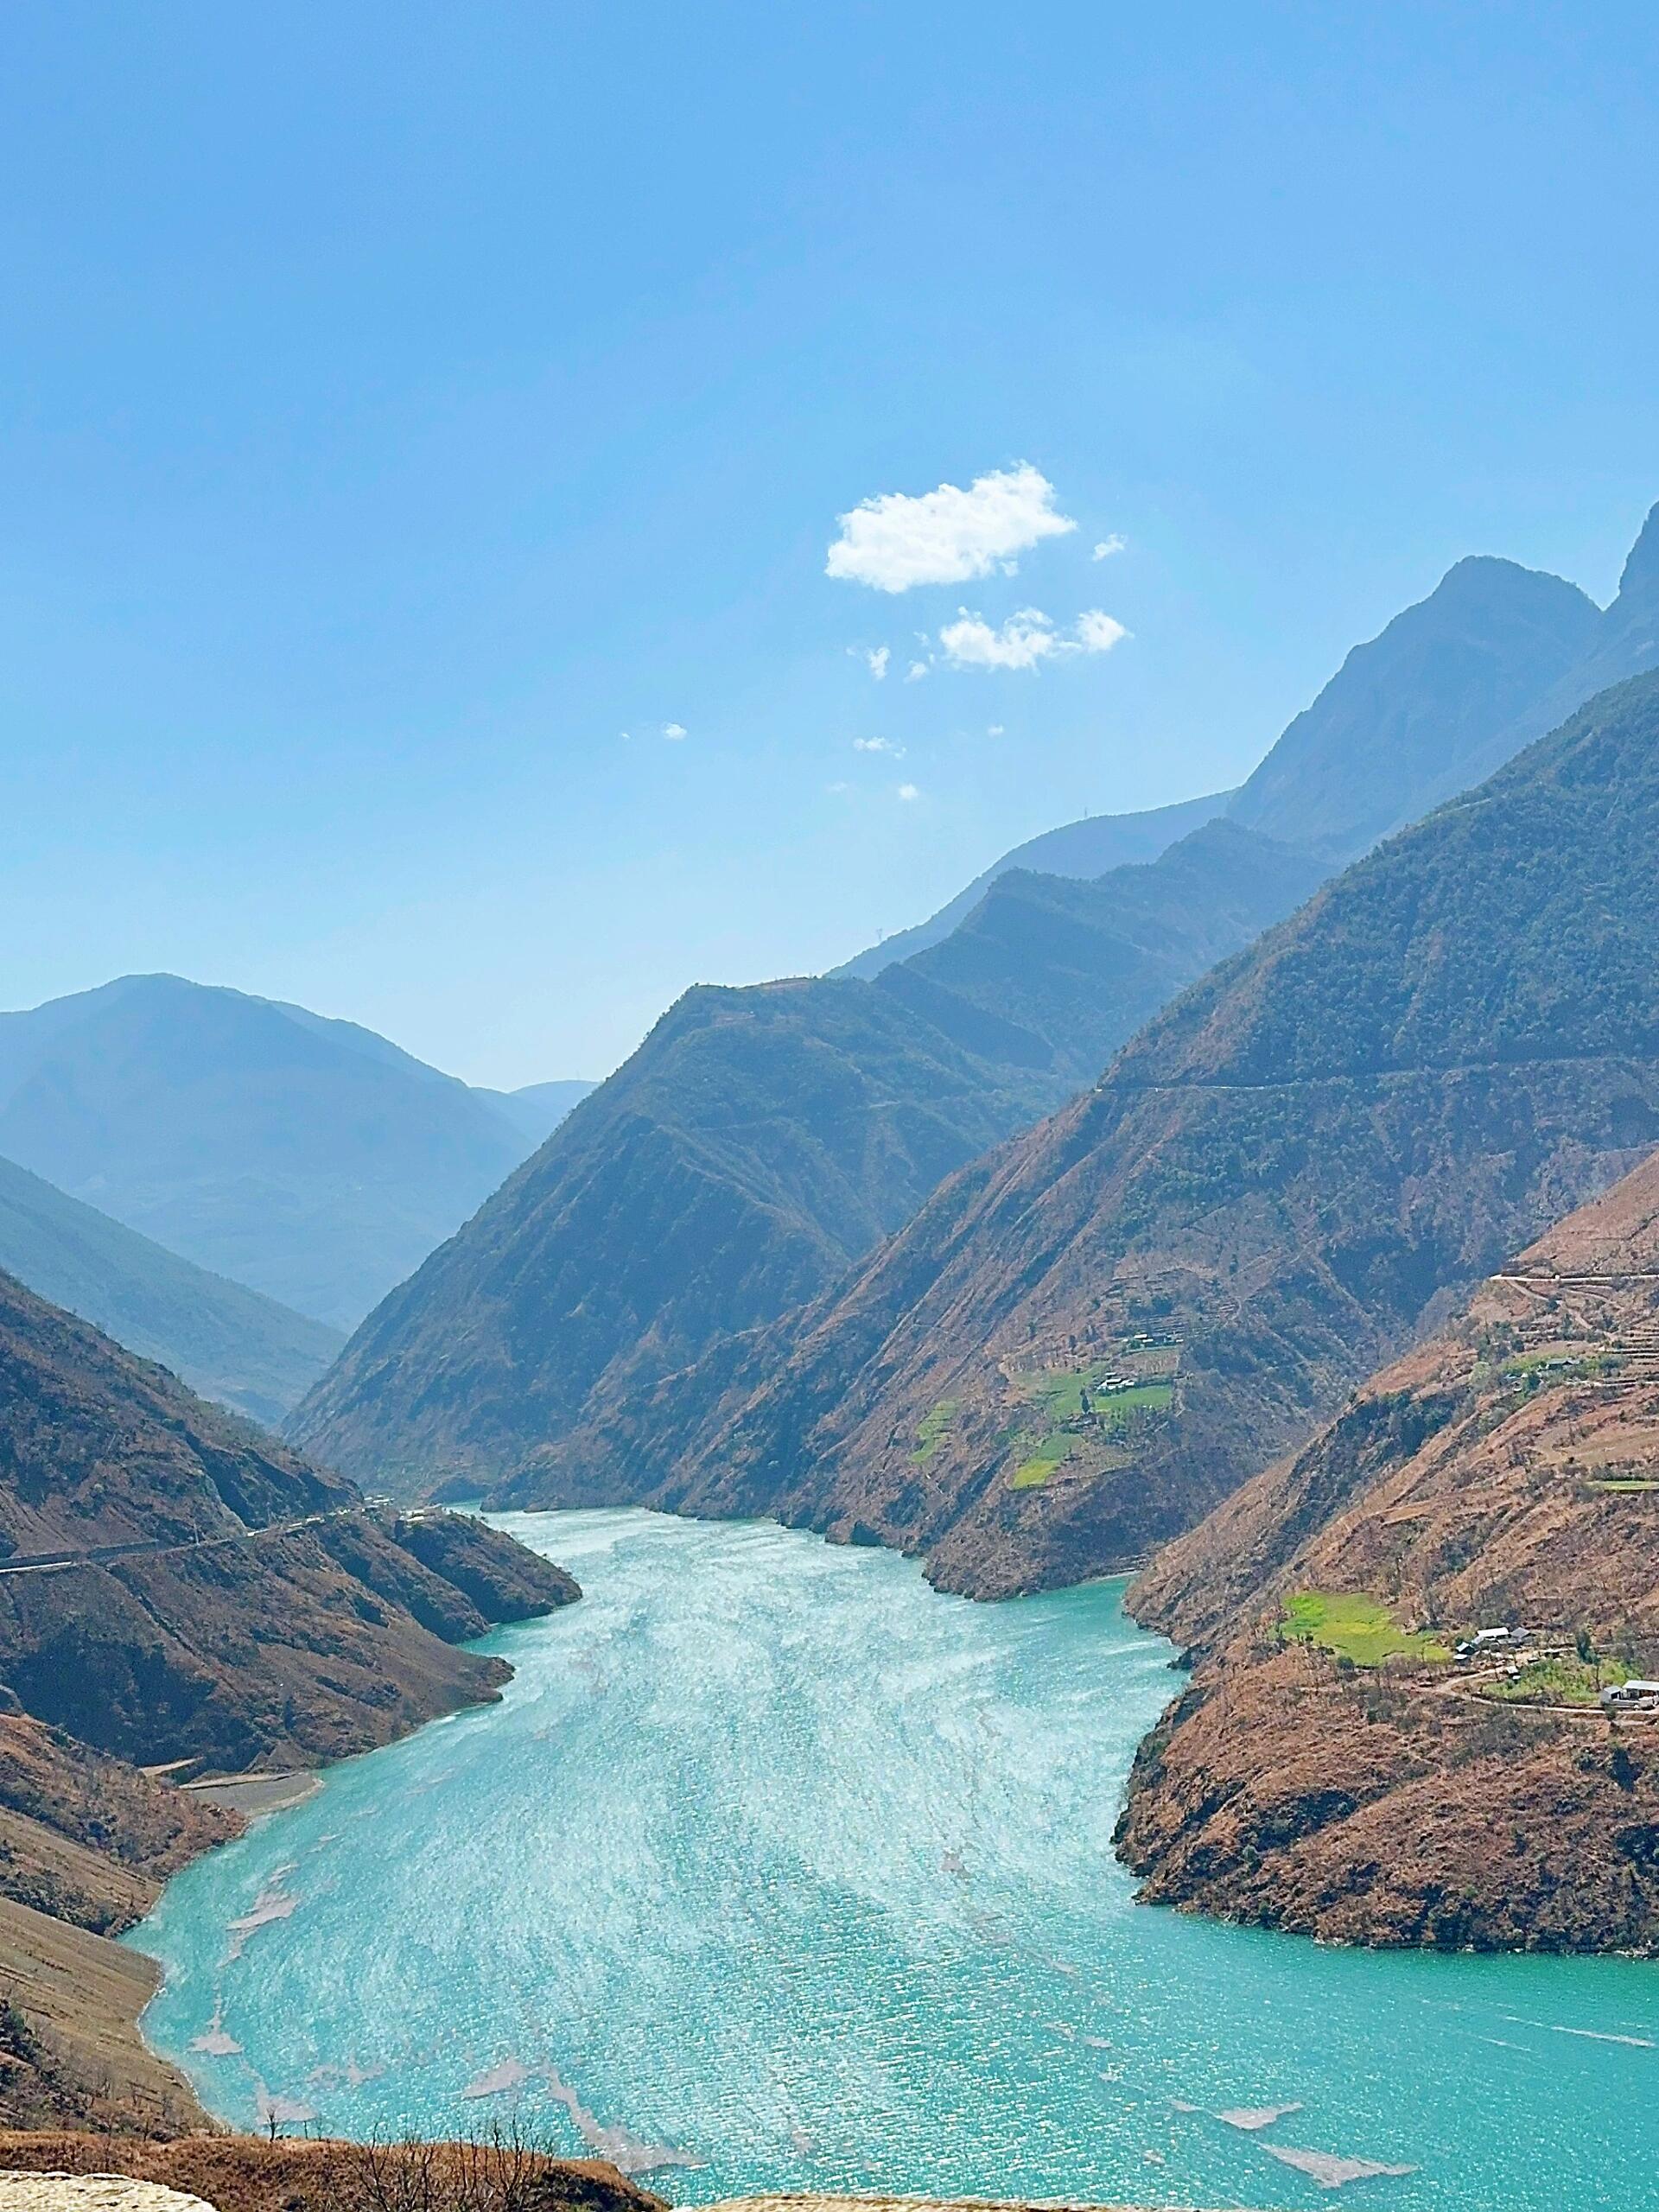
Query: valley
pixel 829 1109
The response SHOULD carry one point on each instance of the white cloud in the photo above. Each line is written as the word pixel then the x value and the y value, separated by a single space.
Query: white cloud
pixel 878 662
pixel 674 732
pixel 908 791
pixel 834 789
pixel 995 730
pixel 1114 542
pixel 1025 639
pixel 1098 633
pixel 917 670
pixel 878 745
pixel 944 537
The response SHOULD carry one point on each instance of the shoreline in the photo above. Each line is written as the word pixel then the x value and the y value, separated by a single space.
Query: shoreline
pixel 254 1794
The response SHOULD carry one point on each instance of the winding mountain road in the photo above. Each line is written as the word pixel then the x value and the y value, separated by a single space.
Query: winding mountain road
pixel 111 1555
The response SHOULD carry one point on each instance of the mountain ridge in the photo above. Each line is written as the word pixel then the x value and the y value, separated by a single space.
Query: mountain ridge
pixel 1041 984
pixel 220 1597
pixel 1082 849
pixel 760 1141
pixel 1288 1219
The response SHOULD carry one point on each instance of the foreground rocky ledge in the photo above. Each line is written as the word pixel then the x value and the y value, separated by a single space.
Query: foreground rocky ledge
pixel 235 2173
pixel 59 2192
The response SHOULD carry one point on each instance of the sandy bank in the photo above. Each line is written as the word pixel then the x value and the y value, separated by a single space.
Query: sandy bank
pixel 253 1793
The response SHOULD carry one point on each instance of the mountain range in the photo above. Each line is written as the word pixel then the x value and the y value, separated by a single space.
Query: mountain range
pixel 759 1141
pixel 304 1158
pixel 1496 656
pixel 762 1142
pixel 1086 1339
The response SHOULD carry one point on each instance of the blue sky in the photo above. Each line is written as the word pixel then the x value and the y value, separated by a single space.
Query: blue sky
pixel 402 402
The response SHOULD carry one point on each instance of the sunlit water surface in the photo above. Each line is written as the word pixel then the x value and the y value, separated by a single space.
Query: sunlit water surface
pixel 773 1859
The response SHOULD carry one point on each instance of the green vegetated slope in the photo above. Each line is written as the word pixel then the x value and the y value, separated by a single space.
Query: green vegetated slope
pixel 762 1140
pixel 255 1611
pixel 310 1160
pixel 1446 1048
pixel 223 1340
pixel 759 1141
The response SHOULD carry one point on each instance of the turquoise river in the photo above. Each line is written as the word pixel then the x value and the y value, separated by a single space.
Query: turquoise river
pixel 774 1868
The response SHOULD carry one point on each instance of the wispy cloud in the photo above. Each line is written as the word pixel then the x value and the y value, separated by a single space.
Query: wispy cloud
pixel 908 791
pixel 674 732
pixel 1025 639
pixel 1113 543
pixel 916 672
pixel 877 662
pixel 1022 641
pixel 896 541
pixel 878 745
pixel 995 730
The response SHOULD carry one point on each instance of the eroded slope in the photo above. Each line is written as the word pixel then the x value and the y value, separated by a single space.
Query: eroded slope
pixel 1504 1474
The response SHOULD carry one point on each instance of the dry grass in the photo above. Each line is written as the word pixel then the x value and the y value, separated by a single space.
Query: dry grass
pixel 240 2173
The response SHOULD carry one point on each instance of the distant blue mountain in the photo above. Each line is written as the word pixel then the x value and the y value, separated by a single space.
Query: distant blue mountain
pixel 537 1110
pixel 306 1158
pixel 224 1341
pixel 1082 849
pixel 1454 687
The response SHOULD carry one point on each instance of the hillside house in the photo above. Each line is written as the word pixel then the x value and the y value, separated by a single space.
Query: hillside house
pixel 1633 1696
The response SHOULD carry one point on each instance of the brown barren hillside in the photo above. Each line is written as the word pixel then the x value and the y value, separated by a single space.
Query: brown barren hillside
pixel 85 1843
pixel 177 1589
pixel 1271 1191
pixel 174 1585
pixel 1505 1473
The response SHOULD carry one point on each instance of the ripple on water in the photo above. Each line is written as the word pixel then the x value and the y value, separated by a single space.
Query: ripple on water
pixel 777 1866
